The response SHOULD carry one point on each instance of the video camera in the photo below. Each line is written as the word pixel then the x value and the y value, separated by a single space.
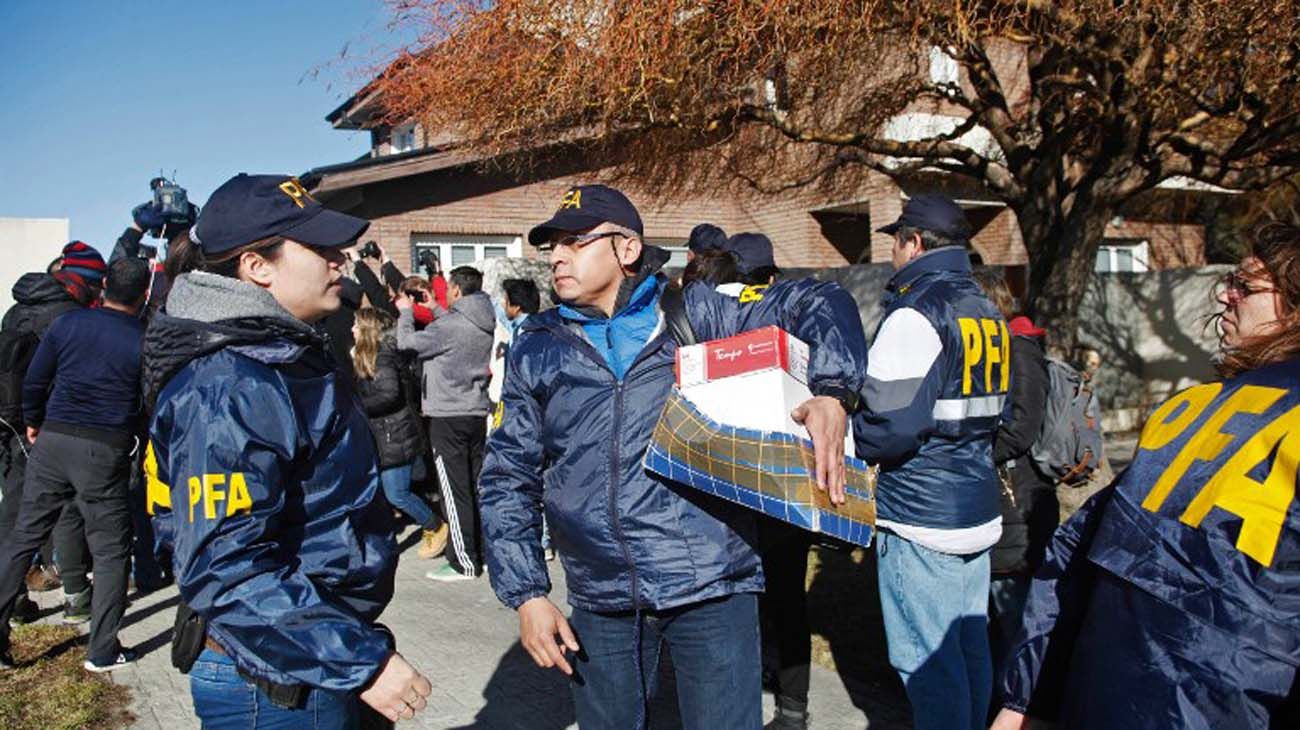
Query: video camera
pixel 171 201
pixel 369 250
pixel 429 262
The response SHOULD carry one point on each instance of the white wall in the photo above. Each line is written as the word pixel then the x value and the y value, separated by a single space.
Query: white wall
pixel 27 244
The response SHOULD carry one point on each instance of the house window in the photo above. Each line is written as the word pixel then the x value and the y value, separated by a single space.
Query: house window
pixel 1122 256
pixel 402 138
pixel 459 249
pixel 676 247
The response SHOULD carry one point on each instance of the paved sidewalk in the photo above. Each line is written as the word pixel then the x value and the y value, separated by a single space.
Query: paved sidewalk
pixel 466 642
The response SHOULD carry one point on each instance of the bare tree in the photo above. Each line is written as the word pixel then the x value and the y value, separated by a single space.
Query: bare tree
pixel 1064 109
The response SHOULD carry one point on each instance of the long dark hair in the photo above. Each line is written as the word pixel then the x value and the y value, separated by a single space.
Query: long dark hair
pixel 183 255
pixel 1277 246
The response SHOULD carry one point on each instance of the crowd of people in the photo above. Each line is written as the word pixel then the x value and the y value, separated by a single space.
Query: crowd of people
pixel 244 405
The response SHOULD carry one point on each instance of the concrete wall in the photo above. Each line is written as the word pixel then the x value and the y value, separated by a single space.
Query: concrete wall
pixel 28 244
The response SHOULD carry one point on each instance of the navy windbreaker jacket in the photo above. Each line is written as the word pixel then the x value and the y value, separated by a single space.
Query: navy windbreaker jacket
pixel 938 373
pixel 280 534
pixel 1172 599
pixel 573 437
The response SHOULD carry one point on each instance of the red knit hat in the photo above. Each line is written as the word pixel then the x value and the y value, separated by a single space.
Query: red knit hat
pixel 80 259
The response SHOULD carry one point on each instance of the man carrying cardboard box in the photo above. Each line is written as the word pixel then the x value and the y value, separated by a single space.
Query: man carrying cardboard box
pixel 648 562
pixel 937 377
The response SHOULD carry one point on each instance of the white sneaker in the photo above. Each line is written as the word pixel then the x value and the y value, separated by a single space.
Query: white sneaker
pixel 448 574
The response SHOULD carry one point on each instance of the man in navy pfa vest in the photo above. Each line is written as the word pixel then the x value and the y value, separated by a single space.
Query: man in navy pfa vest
pixel 648 561
pixel 937 376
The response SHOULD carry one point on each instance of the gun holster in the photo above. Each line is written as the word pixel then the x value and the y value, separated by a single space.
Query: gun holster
pixel 189 634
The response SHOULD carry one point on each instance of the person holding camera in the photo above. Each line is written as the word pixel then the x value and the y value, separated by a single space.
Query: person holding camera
pixel 283 542
pixel 164 217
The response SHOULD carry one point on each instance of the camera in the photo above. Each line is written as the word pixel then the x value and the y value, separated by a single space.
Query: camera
pixel 369 250
pixel 171 201
pixel 429 261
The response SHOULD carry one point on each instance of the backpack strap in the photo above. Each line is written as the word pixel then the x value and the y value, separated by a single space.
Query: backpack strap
pixel 672 302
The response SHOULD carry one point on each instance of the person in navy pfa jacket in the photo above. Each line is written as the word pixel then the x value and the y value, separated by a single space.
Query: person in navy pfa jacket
pixel 1172 598
pixel 648 562
pixel 938 373
pixel 81 404
pixel 281 538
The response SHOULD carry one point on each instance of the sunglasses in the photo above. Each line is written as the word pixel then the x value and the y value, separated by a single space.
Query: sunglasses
pixel 578 240
pixel 1238 288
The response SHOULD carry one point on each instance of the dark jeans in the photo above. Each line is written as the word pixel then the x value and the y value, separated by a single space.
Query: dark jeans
pixel 714 650
pixel 458 456
pixel 69 540
pixel 787 636
pixel 65 468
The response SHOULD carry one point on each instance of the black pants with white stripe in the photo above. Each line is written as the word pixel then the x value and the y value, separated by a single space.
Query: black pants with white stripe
pixel 458 456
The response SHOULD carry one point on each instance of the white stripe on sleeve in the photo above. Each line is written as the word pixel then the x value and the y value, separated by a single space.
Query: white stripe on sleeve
pixel 905 347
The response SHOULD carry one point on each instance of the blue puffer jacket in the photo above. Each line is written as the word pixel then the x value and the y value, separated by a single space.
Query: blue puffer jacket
pixel 280 533
pixel 574 434
pixel 938 372
pixel 1172 598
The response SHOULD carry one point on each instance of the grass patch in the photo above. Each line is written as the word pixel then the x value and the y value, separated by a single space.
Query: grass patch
pixel 49 689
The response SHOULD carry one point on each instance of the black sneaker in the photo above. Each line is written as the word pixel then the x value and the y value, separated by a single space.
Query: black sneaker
pixel 124 657
pixel 76 609
pixel 25 611
pixel 6 661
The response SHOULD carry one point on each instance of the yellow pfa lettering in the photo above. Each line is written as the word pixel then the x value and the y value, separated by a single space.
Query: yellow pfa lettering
pixel 995 353
pixel 973 348
pixel 498 414
pixel 296 192
pixel 1160 430
pixel 752 293
pixel 212 495
pixel 238 499
pixel 196 493
pixel 1209 441
pixel 207 490
pixel 572 199
pixel 1261 507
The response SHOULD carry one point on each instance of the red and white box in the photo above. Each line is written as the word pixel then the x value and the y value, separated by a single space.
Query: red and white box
pixel 752 380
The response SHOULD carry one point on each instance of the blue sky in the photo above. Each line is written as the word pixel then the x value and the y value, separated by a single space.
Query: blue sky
pixel 97 97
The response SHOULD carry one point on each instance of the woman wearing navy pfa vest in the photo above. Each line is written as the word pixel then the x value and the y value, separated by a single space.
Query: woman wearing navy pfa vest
pixel 282 540
pixel 1172 599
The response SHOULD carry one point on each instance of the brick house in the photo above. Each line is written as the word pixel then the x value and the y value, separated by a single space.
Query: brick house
pixel 420 193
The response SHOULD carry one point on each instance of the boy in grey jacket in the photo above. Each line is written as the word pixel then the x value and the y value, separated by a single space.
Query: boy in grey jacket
pixel 454 351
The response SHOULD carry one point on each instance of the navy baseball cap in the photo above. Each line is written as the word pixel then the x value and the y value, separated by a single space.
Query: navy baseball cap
pixel 752 250
pixel 248 208
pixel 932 212
pixel 587 206
pixel 706 237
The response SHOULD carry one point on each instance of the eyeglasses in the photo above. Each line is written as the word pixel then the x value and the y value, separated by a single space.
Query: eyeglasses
pixel 1236 288
pixel 578 240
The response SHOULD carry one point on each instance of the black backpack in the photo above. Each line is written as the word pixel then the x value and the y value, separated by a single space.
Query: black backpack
pixel 672 302
pixel 16 351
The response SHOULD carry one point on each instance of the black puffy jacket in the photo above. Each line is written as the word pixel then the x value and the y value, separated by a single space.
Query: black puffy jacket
pixel 40 298
pixel 394 424
pixel 1030 511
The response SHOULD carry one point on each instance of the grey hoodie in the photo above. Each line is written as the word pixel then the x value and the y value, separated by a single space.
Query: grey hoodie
pixel 455 350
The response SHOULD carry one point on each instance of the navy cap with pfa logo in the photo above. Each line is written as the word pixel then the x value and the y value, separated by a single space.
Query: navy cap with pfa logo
pixel 248 208
pixel 587 206
pixel 932 212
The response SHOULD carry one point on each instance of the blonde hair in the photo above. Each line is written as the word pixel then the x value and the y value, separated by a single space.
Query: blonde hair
pixel 371 325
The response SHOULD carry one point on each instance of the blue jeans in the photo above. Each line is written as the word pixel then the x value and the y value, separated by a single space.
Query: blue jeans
pixel 715 652
pixel 935 609
pixel 396 481
pixel 223 700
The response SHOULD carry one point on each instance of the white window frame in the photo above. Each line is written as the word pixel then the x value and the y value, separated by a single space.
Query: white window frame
pixel 1139 250
pixel 402 138
pixel 443 243
pixel 676 247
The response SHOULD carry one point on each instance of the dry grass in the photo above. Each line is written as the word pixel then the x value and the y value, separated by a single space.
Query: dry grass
pixel 50 691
